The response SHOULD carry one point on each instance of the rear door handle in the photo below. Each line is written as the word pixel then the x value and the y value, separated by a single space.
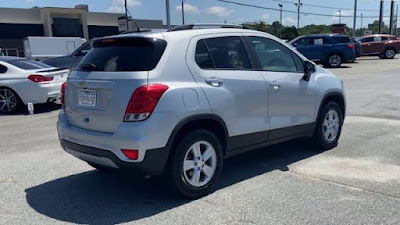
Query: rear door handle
pixel 275 84
pixel 214 81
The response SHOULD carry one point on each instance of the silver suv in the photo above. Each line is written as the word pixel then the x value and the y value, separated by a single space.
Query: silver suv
pixel 182 101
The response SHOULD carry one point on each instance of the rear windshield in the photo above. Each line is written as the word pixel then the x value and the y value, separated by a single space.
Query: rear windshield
pixel 342 39
pixel 123 54
pixel 29 64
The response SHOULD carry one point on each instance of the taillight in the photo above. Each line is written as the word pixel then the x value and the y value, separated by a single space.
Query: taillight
pixel 143 102
pixel 39 78
pixel 351 46
pixel 63 88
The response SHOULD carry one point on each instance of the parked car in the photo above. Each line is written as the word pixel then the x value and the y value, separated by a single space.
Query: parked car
pixel 46 47
pixel 384 46
pixel 357 47
pixel 23 80
pixel 330 50
pixel 182 101
pixel 69 61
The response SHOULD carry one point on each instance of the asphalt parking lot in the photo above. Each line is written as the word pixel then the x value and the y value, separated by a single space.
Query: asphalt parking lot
pixel 356 183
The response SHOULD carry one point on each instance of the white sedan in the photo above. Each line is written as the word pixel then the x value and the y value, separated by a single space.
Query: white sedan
pixel 24 81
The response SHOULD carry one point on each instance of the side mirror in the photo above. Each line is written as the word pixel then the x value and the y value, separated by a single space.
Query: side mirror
pixel 84 52
pixel 309 68
pixel 294 44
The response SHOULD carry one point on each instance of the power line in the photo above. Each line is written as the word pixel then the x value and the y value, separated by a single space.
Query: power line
pixel 288 11
pixel 329 7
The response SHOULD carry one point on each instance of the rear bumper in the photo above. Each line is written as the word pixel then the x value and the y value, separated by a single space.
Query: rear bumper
pixel 152 164
pixel 41 93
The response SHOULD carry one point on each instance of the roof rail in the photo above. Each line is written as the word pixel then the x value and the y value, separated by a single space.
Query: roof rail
pixel 207 26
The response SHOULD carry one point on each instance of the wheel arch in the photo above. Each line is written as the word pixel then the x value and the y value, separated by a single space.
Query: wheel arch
pixel 210 122
pixel 336 97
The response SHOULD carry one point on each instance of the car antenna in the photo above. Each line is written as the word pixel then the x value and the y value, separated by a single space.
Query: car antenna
pixel 137 26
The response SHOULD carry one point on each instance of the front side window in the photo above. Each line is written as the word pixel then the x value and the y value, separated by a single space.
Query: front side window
pixel 272 55
pixel 303 42
pixel 225 53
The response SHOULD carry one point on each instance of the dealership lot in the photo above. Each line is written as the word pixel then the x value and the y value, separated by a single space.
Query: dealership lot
pixel 356 183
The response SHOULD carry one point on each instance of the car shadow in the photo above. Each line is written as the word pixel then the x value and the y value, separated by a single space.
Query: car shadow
pixel 340 67
pixel 96 198
pixel 38 109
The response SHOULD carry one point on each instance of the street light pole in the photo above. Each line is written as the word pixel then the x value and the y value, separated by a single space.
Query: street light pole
pixel 391 17
pixel 361 28
pixel 340 16
pixel 280 22
pixel 355 19
pixel 381 17
pixel 183 11
pixel 126 15
pixel 299 4
pixel 168 14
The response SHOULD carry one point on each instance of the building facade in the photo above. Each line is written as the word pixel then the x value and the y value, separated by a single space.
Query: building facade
pixel 17 24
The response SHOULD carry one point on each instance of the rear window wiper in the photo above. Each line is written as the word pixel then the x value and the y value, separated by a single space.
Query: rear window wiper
pixel 88 67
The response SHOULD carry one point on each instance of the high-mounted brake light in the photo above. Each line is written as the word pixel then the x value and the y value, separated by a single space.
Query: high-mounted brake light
pixel 351 46
pixel 107 40
pixel 143 101
pixel 63 89
pixel 39 78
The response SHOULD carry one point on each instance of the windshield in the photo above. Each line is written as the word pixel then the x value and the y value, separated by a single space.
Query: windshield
pixel 28 64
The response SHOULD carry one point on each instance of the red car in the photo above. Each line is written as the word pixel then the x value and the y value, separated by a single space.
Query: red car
pixel 384 46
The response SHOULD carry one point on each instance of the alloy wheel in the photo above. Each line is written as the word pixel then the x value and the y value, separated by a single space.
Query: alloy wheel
pixel 335 61
pixel 390 53
pixel 330 127
pixel 199 164
pixel 8 101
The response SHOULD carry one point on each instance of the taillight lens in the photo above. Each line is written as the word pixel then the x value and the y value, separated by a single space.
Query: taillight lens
pixel 143 102
pixel 63 89
pixel 39 78
pixel 351 46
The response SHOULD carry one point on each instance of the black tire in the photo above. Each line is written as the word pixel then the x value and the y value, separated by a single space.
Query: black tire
pixel 336 61
pixel 19 103
pixel 101 168
pixel 176 174
pixel 319 138
pixel 389 54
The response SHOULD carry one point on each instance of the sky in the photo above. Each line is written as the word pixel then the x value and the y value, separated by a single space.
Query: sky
pixel 214 11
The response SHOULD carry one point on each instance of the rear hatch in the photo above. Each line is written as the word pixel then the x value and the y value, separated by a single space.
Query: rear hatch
pixel 99 90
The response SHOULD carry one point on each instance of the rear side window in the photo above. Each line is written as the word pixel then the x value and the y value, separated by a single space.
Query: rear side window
pixel 319 41
pixel 366 40
pixel 29 64
pixel 123 54
pixel 202 57
pixel 342 39
pixel 224 53
pixel 3 69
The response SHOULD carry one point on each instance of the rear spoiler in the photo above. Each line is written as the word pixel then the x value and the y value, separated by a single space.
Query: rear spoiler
pixel 52 70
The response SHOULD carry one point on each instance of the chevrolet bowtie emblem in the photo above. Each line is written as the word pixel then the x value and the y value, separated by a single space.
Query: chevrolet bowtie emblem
pixel 83 84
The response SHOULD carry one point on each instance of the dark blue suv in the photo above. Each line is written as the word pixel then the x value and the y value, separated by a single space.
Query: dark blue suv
pixel 331 50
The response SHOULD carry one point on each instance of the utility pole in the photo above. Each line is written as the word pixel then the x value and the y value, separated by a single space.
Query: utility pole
pixel 355 19
pixel 183 11
pixel 391 18
pixel 168 14
pixel 299 4
pixel 381 17
pixel 361 28
pixel 397 19
pixel 280 21
pixel 340 16
pixel 126 15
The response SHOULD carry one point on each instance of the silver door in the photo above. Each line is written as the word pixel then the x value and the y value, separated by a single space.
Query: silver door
pixel 292 100
pixel 235 92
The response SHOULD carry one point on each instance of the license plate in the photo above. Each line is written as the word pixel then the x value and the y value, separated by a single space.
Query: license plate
pixel 87 97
